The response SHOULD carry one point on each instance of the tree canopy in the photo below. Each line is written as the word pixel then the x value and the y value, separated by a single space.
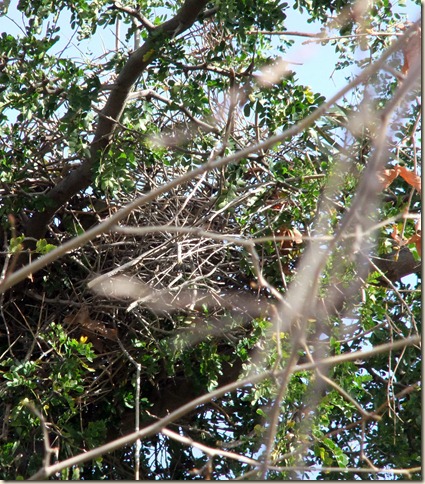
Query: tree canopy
pixel 209 270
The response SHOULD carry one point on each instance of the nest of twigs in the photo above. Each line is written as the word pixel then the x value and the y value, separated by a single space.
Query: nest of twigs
pixel 188 285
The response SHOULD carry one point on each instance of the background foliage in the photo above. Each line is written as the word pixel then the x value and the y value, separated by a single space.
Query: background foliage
pixel 180 314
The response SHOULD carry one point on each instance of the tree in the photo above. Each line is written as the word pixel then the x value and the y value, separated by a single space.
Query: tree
pixel 204 260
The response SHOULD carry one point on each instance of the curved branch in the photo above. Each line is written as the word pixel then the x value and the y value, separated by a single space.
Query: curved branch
pixel 136 14
pixel 81 177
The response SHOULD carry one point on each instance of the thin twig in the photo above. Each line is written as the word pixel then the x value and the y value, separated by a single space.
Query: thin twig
pixel 211 451
pixel 136 409
pixel 48 450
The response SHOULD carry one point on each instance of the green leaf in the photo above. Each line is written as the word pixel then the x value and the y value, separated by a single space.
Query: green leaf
pixel 42 247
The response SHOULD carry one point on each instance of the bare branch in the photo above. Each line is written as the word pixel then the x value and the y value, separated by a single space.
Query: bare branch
pixel 162 423
pixel 149 26
pixel 48 450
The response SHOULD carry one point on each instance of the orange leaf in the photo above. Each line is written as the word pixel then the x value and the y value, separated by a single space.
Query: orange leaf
pixel 83 319
pixel 411 178
pixel 388 176
pixel 396 237
pixel 412 51
pixel 277 206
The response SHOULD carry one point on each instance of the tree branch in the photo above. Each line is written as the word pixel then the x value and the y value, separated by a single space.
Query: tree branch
pixel 81 177
pixel 179 413
pixel 149 26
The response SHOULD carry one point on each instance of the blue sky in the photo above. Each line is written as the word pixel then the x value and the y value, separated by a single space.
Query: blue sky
pixel 317 70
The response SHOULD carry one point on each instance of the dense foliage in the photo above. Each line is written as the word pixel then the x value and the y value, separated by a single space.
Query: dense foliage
pixel 299 222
